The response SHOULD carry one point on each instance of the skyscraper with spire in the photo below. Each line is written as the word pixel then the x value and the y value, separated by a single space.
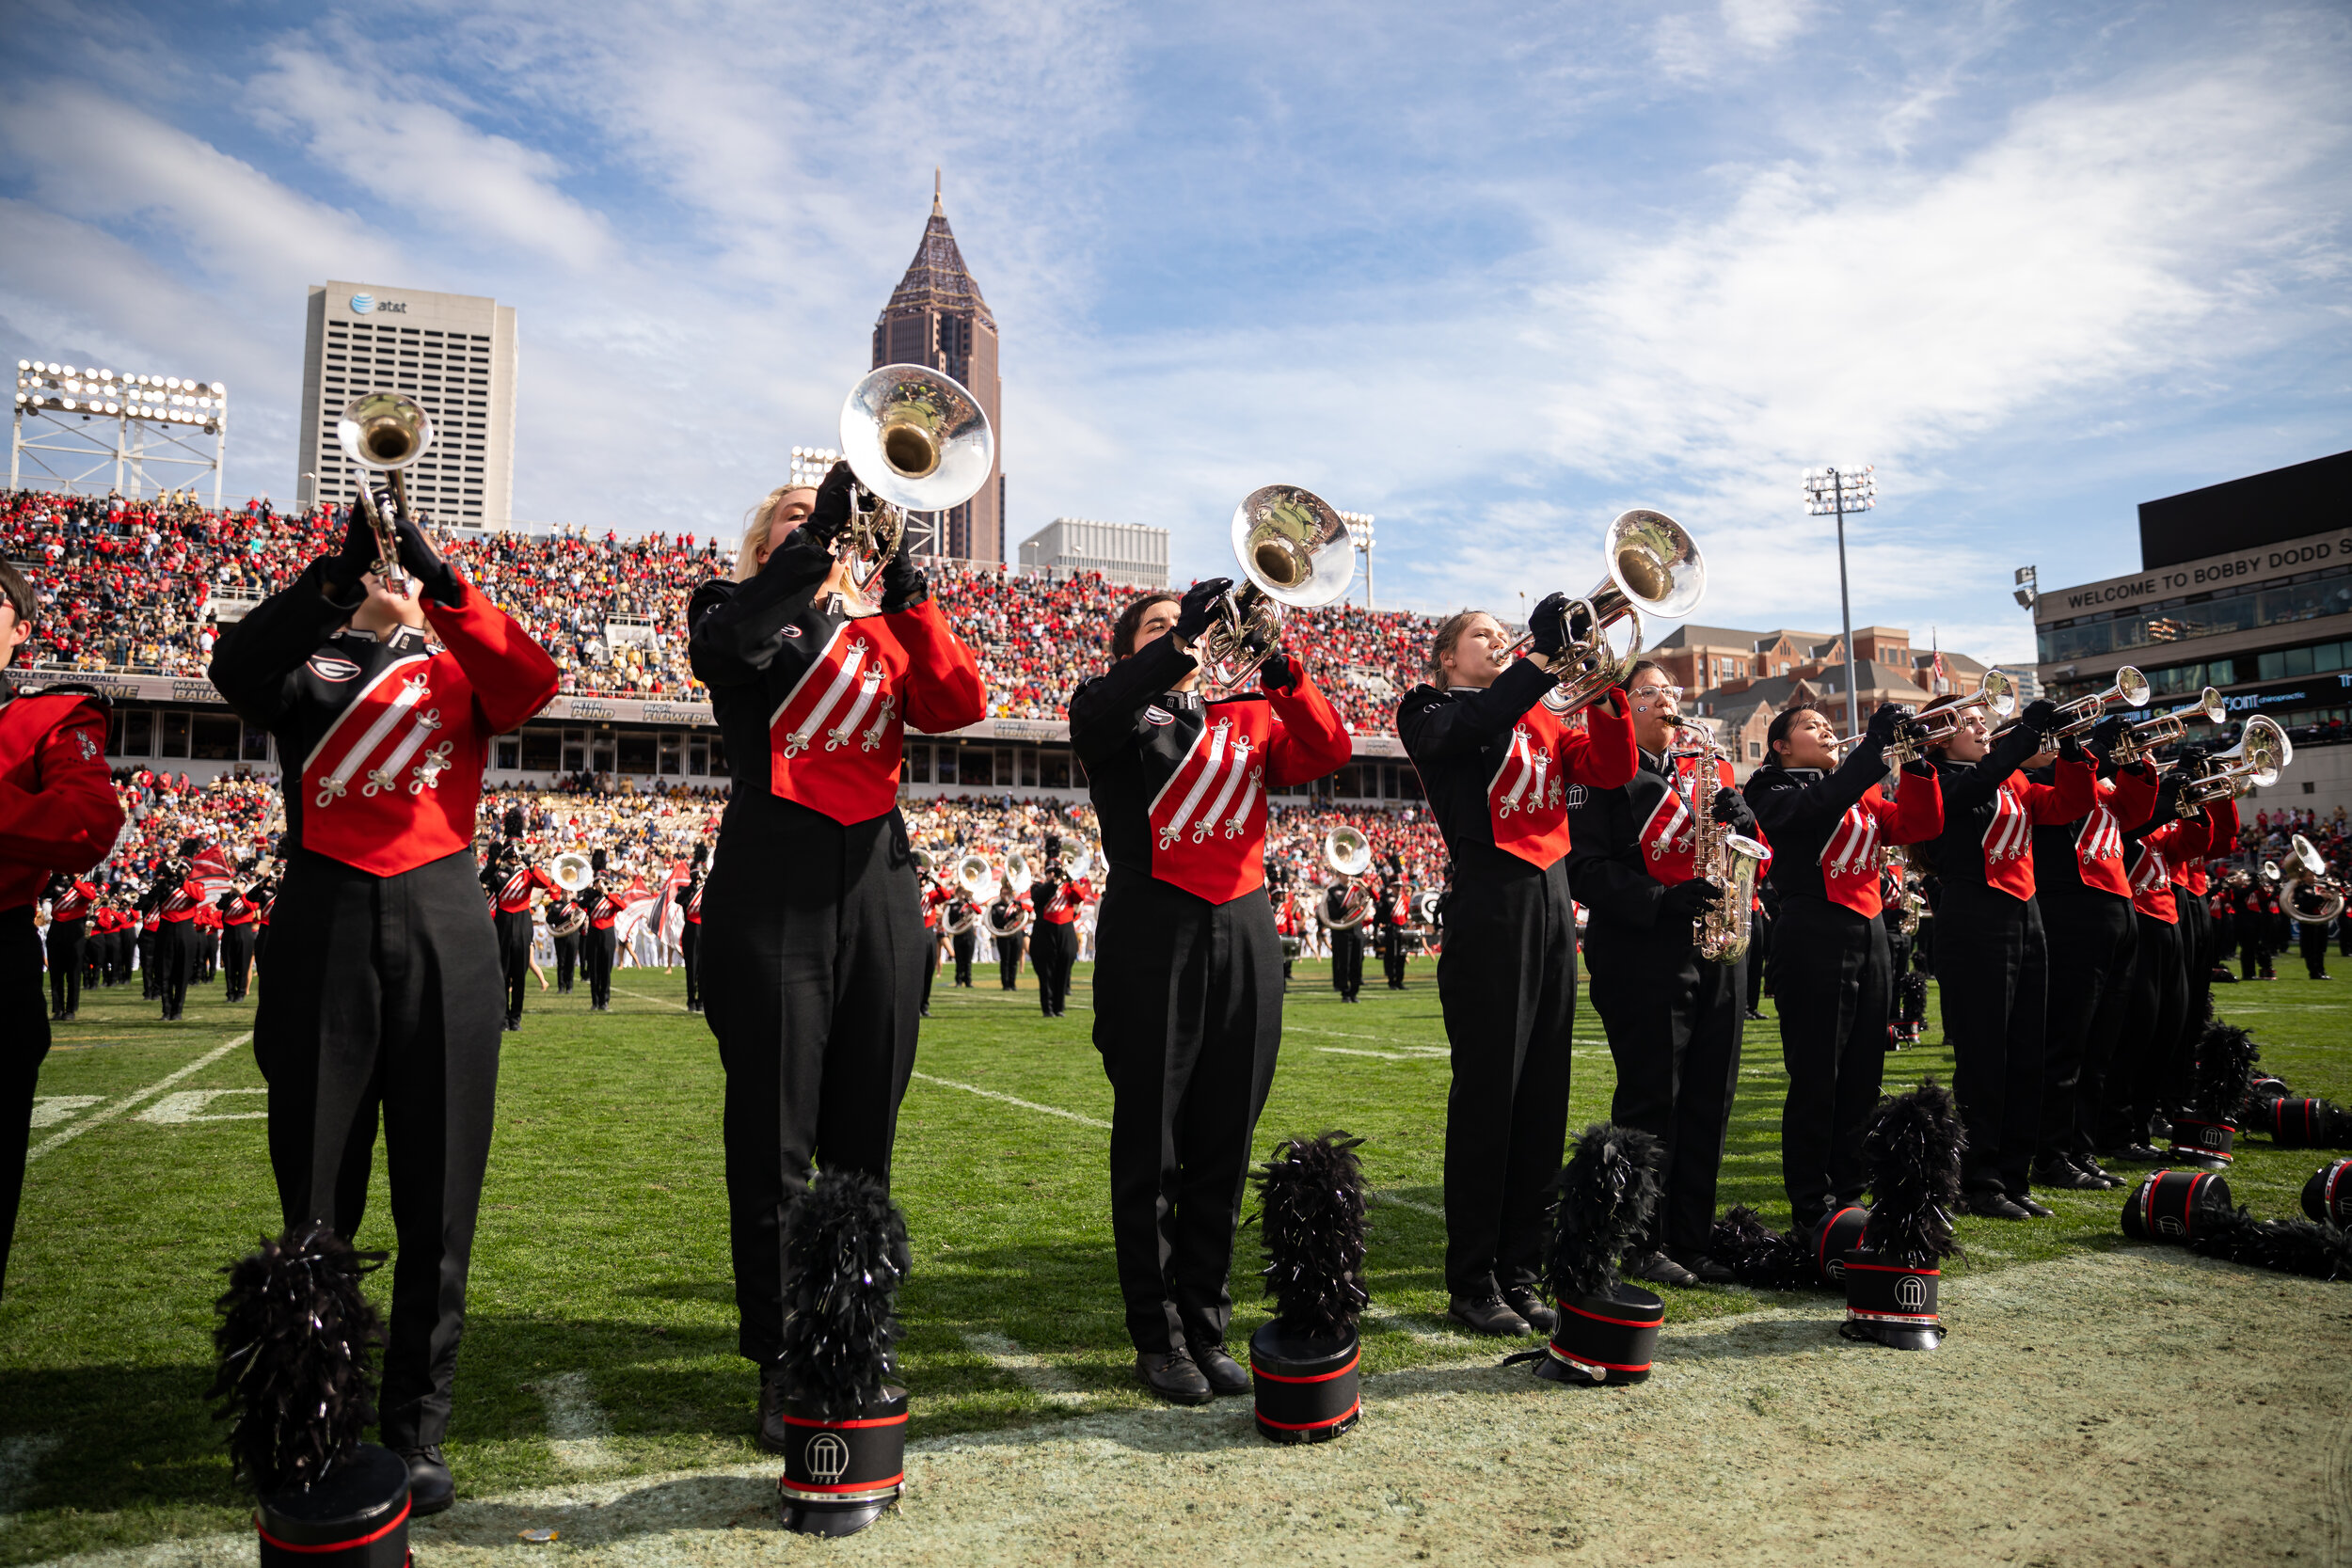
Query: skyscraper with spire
pixel 937 318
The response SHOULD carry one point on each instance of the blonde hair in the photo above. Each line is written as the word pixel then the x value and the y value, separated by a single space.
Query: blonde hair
pixel 763 517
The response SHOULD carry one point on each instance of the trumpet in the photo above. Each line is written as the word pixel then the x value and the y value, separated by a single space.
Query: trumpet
pixel 2254 763
pixel 2165 728
pixel 571 872
pixel 1996 694
pixel 1298 554
pixel 385 432
pixel 2311 897
pixel 1654 567
pixel 916 441
pixel 2131 689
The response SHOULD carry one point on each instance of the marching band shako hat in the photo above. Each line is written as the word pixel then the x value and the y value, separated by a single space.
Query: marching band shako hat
pixel 1836 1234
pixel 2175 1205
pixel 2199 1141
pixel 1303 1362
pixel 191 847
pixel 295 1371
pixel 2328 1195
pixel 512 822
pixel 845 1253
pixel 2206 1133
pixel 597 860
pixel 1608 1330
pixel 1913 1149
pixel 2307 1123
pixel 701 855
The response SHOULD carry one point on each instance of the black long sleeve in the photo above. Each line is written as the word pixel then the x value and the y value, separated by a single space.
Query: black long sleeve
pixel 1784 805
pixel 1606 872
pixel 256 657
pixel 737 628
pixel 1966 788
pixel 1103 711
pixel 1467 719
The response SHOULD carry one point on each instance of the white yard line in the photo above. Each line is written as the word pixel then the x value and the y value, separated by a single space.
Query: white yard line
pixel 624 991
pixel 1009 1100
pixel 67 1134
pixel 51 1109
pixel 1395 1202
pixel 577 1427
pixel 1051 1383
pixel 187 1105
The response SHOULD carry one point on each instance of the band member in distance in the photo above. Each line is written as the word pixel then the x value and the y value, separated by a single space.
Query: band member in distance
pixel 1057 898
pixel 812 982
pixel 383 998
pixel 1498 757
pixel 600 944
pixel 513 884
pixel 1187 968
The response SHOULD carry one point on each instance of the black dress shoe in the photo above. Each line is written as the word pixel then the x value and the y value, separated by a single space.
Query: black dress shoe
pixel 430 1488
pixel 1705 1269
pixel 1659 1269
pixel 1754 1017
pixel 2066 1176
pixel 2098 1173
pixel 1486 1315
pixel 1539 1313
pixel 1995 1206
pixel 1225 1374
pixel 2136 1154
pixel 1172 1375
pixel 2033 1210
pixel 774 1432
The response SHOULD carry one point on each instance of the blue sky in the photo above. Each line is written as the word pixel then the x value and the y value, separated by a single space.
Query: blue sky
pixel 1490 272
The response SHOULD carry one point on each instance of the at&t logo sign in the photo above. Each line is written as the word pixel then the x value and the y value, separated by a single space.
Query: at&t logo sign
pixel 362 304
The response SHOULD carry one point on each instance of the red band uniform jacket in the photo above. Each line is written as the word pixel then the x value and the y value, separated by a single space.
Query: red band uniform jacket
pixel 1827 829
pixel 1991 811
pixel 2088 852
pixel 57 805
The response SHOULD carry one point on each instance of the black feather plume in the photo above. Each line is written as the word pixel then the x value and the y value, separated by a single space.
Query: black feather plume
pixel 1608 1190
pixel 2225 1057
pixel 1311 1200
pixel 845 1255
pixel 2262 1092
pixel 2287 1246
pixel 295 1351
pixel 1760 1256
pixel 1913 1149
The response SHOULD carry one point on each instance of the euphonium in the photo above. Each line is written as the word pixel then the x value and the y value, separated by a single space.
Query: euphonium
pixel 385 432
pixel 1654 567
pixel 1728 860
pixel 917 442
pixel 2311 896
pixel 1296 551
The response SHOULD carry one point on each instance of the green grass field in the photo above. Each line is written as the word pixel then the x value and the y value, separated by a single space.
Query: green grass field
pixel 601 1327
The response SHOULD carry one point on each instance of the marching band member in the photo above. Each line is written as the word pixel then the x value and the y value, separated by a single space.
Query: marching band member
pixel 71 899
pixel 176 896
pixel 1187 1003
pixel 1345 928
pixel 1009 923
pixel 813 982
pixel 514 885
pixel 1057 898
pixel 59 814
pixel 2084 895
pixel 599 943
pixel 966 940
pixel 1673 1017
pixel 565 923
pixel 1392 915
pixel 2150 1074
pixel 239 916
pixel 383 981
pixel 1991 964
pixel 1498 760
pixel 689 903
pixel 1832 965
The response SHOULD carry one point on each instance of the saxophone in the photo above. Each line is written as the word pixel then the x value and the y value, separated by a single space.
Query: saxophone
pixel 1912 903
pixel 1728 860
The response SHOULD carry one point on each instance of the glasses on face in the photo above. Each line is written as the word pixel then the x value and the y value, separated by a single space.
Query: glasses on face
pixel 1655 691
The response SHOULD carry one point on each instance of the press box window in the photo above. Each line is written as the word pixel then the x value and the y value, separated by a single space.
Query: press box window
pixel 507 753
pixel 542 751
pixel 917 766
pixel 175 735
pixel 256 744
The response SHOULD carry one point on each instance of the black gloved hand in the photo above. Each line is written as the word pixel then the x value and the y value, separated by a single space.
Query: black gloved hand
pixel 1548 626
pixel 2168 798
pixel 357 557
pixel 2041 716
pixel 1198 608
pixel 1887 722
pixel 1686 900
pixel 1280 673
pixel 435 577
pixel 830 514
pixel 902 586
pixel 1731 809
pixel 2105 733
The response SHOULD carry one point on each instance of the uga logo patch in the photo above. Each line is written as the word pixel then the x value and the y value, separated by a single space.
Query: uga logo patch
pixel 792 631
pixel 328 667
pixel 1576 796
pixel 1158 715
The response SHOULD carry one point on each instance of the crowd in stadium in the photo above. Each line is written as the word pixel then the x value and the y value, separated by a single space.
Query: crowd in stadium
pixel 152 578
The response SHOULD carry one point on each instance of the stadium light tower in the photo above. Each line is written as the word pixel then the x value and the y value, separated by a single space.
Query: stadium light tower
pixel 147 420
pixel 1359 530
pixel 1835 491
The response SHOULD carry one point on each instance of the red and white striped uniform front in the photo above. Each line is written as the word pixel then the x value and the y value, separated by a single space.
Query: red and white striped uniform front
pixel 2152 884
pixel 386 752
pixel 514 894
pixel 2009 842
pixel 183 901
pixel 1669 839
pixel 1208 820
pixel 1527 799
pixel 834 740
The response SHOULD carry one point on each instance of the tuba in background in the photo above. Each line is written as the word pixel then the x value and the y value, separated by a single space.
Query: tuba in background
pixel 571 872
pixel 1296 553
pixel 2311 895
pixel 1348 854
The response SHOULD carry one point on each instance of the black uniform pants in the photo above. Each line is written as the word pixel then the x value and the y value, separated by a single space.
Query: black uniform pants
pixel 150 965
pixel 2198 957
pixel 66 941
pixel 689 940
pixel 1992 972
pixel 383 1002
pixel 97 966
pixel 1759 955
pixel 1392 955
pixel 2152 1069
pixel 236 952
pixel 2090 936
pixel 1009 959
pixel 208 953
pixel 23 1041
pixel 120 952
pixel 964 942
pixel 1832 976
pixel 1507 982
pixel 1053 950
pixel 176 957
pixel 566 961
pixel 2315 943
pixel 597 947
pixel 1347 960
pixel 812 997
pixel 1187 1018
pixel 514 939
pixel 1673 1024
